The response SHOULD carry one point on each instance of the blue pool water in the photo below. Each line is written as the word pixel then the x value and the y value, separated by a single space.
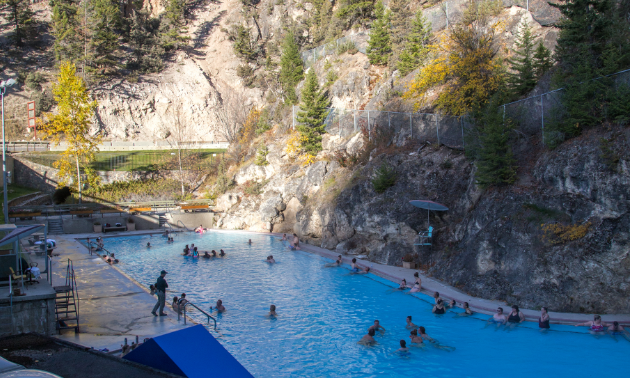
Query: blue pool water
pixel 323 312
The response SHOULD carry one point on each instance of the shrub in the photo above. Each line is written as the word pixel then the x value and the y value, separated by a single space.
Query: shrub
pixel 557 233
pixel 34 80
pixel 261 156
pixel 385 178
pixel 253 188
pixel 245 72
pixel 61 194
pixel 348 47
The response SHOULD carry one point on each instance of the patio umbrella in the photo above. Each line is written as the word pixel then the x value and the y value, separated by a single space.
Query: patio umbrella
pixel 429 205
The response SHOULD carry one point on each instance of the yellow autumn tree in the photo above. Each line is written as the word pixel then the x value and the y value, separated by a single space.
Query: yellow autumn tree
pixel 71 123
pixel 466 68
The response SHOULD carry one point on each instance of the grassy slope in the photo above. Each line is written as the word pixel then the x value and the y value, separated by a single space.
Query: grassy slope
pixel 15 191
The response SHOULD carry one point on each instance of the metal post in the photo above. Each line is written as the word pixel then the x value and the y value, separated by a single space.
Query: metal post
pixel 354 115
pixel 437 127
pixel 461 124
pixel 5 204
pixel 542 117
pixel 293 115
pixel 389 120
pixel 369 130
pixel 410 125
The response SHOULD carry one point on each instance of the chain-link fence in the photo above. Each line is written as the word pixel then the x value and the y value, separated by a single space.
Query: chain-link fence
pixel 356 40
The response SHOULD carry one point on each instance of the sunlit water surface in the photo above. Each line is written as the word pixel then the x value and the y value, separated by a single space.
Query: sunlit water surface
pixel 324 311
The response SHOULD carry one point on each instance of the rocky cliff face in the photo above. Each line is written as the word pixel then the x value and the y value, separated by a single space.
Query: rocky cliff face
pixel 558 238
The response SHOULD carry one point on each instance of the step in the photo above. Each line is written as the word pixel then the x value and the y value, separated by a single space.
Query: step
pixel 66 312
pixel 66 319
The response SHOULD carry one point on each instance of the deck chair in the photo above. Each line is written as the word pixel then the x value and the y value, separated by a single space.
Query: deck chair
pixel 17 277
pixel 425 237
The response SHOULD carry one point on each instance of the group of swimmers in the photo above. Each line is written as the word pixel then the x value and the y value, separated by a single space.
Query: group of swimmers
pixel 293 244
pixel 417 336
pixel 194 253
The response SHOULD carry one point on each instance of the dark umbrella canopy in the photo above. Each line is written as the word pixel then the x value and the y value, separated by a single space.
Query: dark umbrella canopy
pixel 429 205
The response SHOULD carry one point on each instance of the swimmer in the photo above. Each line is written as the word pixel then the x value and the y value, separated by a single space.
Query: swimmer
pixel 206 255
pixel 415 339
pixel 222 253
pixel 214 253
pixel 365 271
pixel 467 310
pixel 436 297
pixel 270 259
pixel 272 310
pixel 498 318
pixel 284 237
pixel 423 334
pixel 452 303
pixel 410 324
pixel 615 328
pixel 595 325
pixel 296 242
pixel 434 342
pixel 516 316
pixel 543 320
pixel 148 245
pixel 186 251
pixel 219 307
pixel 249 242
pixel 415 288
pixel 439 307
pixel 200 229
pixel 354 267
pixel 403 346
pixel 368 339
pixel 337 263
pixel 377 326
pixel 339 260
pixel 403 285
pixel 195 253
pixel 165 233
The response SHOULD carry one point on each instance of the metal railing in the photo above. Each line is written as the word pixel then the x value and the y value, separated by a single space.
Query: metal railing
pixel 184 226
pixel 202 311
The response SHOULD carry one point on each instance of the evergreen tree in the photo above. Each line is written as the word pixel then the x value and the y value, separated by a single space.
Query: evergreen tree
pixel 312 114
pixel 379 46
pixel 542 60
pixel 243 44
pixel 143 40
pixel 173 27
pixel 20 16
pixel 69 42
pixel 495 161
pixel 400 25
pixel 522 79
pixel 105 24
pixel 355 11
pixel 416 48
pixel 291 68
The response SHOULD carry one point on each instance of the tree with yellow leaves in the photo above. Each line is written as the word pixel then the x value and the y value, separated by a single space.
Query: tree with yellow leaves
pixel 71 124
pixel 466 67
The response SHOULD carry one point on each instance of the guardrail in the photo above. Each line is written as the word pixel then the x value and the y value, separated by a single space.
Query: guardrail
pixel 202 311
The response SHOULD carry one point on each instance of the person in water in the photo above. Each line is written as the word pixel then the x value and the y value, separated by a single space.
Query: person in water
pixel 436 297
pixel 369 338
pixel 516 316
pixel 284 237
pixel 403 346
pixel 403 284
pixel 410 324
pixel 182 302
pixel 354 267
pixel 467 310
pixel 452 303
pixel 200 229
pixel 377 326
pixel 439 307
pixel 543 320
pixel 219 307
pixel 148 245
pixel 415 338
pixel 595 325
pixel 222 253
pixel 270 259
pixel 249 242
pixel 616 329
pixel 175 304
pixel 206 255
pixel 415 288
pixel 296 242
pixel 498 318
pixel 214 253
pixel 417 281
pixel 195 252
pixel 339 260
pixel 272 310
pixel 423 334
pixel 186 250
pixel 364 271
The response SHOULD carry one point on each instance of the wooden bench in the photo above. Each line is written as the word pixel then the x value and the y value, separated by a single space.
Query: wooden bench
pixel 187 208
pixel 111 211
pixel 114 228
pixel 81 213
pixel 140 210
pixel 25 216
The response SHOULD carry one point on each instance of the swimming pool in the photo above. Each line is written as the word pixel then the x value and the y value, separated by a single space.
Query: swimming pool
pixel 323 312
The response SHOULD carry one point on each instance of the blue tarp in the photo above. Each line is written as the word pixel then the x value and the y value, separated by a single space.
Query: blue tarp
pixel 191 352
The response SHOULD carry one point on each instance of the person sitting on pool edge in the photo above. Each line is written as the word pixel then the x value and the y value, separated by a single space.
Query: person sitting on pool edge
pixel 377 326
pixel 214 253
pixel 516 316
pixel 415 338
pixel 369 338
pixel 595 325
pixel 416 288
pixel 410 325
pixel 182 302
pixel 272 310
pixel 222 253
pixel 295 244
pixel 403 346
pixel 498 318
pixel 417 281
pixel 439 307
pixel 219 307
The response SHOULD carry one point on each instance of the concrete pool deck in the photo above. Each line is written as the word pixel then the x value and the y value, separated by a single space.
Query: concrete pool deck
pixel 113 306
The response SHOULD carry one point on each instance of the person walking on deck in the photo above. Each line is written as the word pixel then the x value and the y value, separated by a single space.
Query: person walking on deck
pixel 160 290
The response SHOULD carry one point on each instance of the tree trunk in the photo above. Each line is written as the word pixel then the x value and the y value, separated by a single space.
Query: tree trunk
pixel 79 177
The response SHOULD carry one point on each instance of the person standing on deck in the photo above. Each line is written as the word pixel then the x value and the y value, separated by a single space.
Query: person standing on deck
pixel 160 290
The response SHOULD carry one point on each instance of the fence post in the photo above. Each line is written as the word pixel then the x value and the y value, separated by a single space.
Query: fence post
pixel 369 130
pixel 354 115
pixel 389 120
pixel 437 127
pixel 542 117
pixel 461 124
pixel 293 115
pixel 410 125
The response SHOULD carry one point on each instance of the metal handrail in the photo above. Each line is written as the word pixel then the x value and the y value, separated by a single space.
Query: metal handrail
pixel 187 229
pixel 99 206
pixel 202 311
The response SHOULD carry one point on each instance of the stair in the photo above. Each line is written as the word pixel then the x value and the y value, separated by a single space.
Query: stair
pixel 55 226
pixel 67 302
pixel 162 219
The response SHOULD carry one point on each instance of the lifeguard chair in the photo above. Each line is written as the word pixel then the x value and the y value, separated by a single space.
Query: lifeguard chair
pixel 426 237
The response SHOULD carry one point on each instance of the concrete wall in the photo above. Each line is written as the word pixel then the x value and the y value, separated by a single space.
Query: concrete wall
pixel 28 316
pixel 191 220
pixel 10 171
pixel 33 175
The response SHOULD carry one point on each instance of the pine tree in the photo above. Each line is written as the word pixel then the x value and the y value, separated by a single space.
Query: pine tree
pixel 69 42
pixel 379 46
pixel 19 14
pixel 105 24
pixel 417 46
pixel 522 79
pixel 143 39
pixel 400 26
pixel 291 68
pixel 542 60
pixel 355 11
pixel 312 114
pixel 243 44
pixel 173 26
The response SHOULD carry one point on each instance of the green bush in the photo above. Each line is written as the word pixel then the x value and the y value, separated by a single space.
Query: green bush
pixel 385 178
pixel 136 190
pixel 245 72
pixel 261 156
pixel 34 81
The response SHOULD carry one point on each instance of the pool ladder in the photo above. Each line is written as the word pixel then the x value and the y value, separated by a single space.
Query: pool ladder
pixel 202 311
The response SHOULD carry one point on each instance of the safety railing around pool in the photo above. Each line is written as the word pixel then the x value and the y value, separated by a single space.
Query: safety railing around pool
pixel 202 311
